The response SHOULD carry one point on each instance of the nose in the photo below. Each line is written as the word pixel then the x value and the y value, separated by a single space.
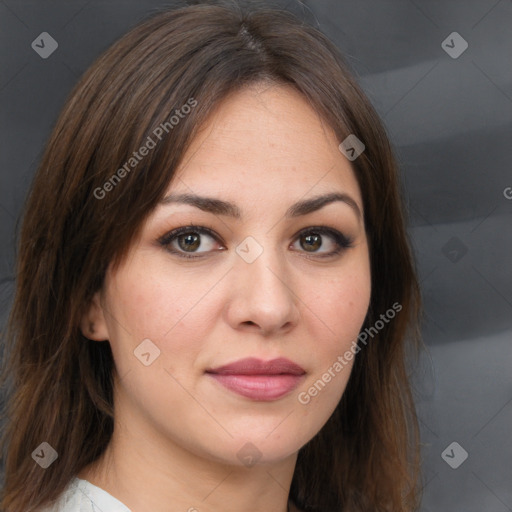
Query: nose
pixel 261 296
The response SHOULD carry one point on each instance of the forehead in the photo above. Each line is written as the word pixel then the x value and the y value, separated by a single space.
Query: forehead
pixel 265 141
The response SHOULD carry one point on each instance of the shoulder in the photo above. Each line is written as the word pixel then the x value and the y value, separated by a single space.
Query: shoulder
pixel 82 496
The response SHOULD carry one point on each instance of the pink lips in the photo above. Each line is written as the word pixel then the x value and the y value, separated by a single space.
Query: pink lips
pixel 259 380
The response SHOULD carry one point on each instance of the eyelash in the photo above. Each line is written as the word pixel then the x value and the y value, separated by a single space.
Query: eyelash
pixel 343 242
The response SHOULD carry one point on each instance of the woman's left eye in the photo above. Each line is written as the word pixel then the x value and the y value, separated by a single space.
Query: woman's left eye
pixel 187 241
pixel 312 239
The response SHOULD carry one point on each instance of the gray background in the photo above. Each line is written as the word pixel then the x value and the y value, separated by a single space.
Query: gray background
pixel 450 120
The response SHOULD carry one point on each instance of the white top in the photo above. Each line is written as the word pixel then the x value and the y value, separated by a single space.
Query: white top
pixel 82 496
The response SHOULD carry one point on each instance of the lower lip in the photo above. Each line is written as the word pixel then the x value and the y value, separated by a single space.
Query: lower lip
pixel 259 387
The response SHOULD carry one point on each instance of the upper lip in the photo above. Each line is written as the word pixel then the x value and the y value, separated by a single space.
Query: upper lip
pixel 254 366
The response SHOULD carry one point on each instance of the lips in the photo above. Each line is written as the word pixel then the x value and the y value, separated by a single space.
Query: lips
pixel 253 366
pixel 259 380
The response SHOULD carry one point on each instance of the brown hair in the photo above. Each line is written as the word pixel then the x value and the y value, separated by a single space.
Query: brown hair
pixel 366 456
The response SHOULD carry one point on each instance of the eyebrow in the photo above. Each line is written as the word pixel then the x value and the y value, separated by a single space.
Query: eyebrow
pixel 220 207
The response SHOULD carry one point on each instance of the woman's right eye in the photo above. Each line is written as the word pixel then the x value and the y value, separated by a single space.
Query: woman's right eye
pixel 186 241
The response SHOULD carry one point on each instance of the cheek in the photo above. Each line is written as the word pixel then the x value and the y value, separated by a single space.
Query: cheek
pixel 341 307
pixel 335 317
pixel 347 310
pixel 147 303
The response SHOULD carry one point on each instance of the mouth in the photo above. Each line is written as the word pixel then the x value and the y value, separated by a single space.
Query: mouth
pixel 259 380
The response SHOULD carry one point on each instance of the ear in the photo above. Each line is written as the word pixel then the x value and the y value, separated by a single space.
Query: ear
pixel 93 324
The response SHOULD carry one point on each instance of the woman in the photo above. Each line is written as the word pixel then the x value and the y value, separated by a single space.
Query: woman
pixel 215 291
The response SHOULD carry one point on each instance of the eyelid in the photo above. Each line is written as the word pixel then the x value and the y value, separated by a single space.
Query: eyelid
pixel 341 240
pixel 166 239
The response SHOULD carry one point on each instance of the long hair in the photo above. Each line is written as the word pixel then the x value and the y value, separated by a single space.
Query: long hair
pixel 366 457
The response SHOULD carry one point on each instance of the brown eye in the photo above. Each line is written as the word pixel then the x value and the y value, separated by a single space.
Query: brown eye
pixel 311 242
pixel 323 242
pixel 187 240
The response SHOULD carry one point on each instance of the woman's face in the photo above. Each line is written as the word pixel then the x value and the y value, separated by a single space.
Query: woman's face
pixel 285 279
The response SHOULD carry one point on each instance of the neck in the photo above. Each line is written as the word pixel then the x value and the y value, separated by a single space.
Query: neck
pixel 146 471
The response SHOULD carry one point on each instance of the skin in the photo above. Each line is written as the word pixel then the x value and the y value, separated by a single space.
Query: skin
pixel 178 431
